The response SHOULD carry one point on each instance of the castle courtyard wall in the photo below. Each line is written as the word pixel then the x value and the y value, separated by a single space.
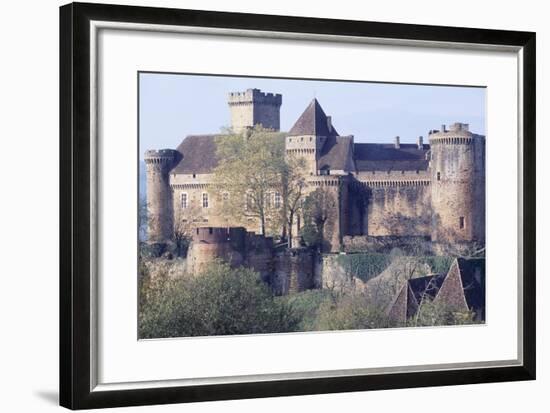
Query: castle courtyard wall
pixel 398 209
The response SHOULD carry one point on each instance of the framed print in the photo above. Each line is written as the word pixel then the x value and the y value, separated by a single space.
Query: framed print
pixel 258 206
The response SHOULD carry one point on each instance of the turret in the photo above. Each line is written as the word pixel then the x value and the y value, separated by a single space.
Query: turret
pixel 160 215
pixel 457 168
pixel 253 107
pixel 309 135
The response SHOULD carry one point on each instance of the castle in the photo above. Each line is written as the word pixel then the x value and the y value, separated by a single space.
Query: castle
pixel 433 190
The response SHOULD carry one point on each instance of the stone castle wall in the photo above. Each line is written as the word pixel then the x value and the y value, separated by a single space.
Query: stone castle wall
pixel 305 147
pixel 159 194
pixel 457 185
pixel 400 210
pixel 293 271
pixel 286 271
pixel 254 107
pixel 233 245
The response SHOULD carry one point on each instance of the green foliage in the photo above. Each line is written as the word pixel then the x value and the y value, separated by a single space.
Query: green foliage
pixel 431 313
pixel 350 312
pixel 319 207
pixel 368 265
pixel 142 218
pixel 251 167
pixel 220 301
pixel 311 234
pixel 439 264
pixel 364 266
pixel 305 305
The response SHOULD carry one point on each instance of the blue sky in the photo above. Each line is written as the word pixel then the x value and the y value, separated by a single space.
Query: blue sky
pixel 173 106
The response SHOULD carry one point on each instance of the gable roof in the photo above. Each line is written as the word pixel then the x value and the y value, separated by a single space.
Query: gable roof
pixel 198 155
pixel 422 286
pixel 408 299
pixel 472 272
pixel 386 157
pixel 312 122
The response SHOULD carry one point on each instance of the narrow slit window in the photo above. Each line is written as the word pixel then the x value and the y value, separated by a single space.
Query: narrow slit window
pixel 461 222
pixel 439 176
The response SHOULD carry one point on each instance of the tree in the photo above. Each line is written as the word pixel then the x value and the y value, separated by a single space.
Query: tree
pixel 142 216
pixel 250 168
pixel 319 207
pixel 219 301
pixel 185 220
pixel 293 185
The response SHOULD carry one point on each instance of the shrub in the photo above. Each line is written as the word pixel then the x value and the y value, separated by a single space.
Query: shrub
pixel 436 314
pixel 306 305
pixel 439 264
pixel 364 266
pixel 350 312
pixel 220 301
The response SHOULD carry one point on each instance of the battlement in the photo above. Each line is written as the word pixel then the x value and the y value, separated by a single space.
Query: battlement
pixel 457 126
pixel 160 156
pixel 255 96
pixel 457 134
pixel 217 235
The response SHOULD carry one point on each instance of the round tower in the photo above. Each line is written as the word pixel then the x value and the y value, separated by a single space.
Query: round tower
pixel 211 243
pixel 160 217
pixel 457 165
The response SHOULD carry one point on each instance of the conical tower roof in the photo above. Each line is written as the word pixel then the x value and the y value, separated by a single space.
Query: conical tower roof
pixel 313 122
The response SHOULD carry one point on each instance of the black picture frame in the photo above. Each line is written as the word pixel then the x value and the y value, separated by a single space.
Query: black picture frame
pixel 75 219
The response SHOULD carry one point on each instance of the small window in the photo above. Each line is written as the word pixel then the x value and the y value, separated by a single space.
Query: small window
pixel 461 222
pixel 439 176
pixel 225 197
pixel 194 175
pixel 277 200
pixel 184 200
pixel 204 200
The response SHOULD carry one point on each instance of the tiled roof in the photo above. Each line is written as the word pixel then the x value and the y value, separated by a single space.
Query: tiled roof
pixel 335 153
pixel 312 122
pixel 198 155
pixel 386 157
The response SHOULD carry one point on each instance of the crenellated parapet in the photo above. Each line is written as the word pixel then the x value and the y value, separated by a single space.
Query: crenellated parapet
pixel 457 168
pixel 160 218
pixel 164 158
pixel 254 107
pixel 251 96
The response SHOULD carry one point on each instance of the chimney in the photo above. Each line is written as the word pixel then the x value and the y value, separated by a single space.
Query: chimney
pixel 329 123
pixel 420 142
pixel 396 144
pixel 443 128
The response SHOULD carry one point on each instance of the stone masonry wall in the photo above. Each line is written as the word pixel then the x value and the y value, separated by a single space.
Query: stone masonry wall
pixel 159 194
pixel 254 107
pixel 398 210
pixel 457 187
